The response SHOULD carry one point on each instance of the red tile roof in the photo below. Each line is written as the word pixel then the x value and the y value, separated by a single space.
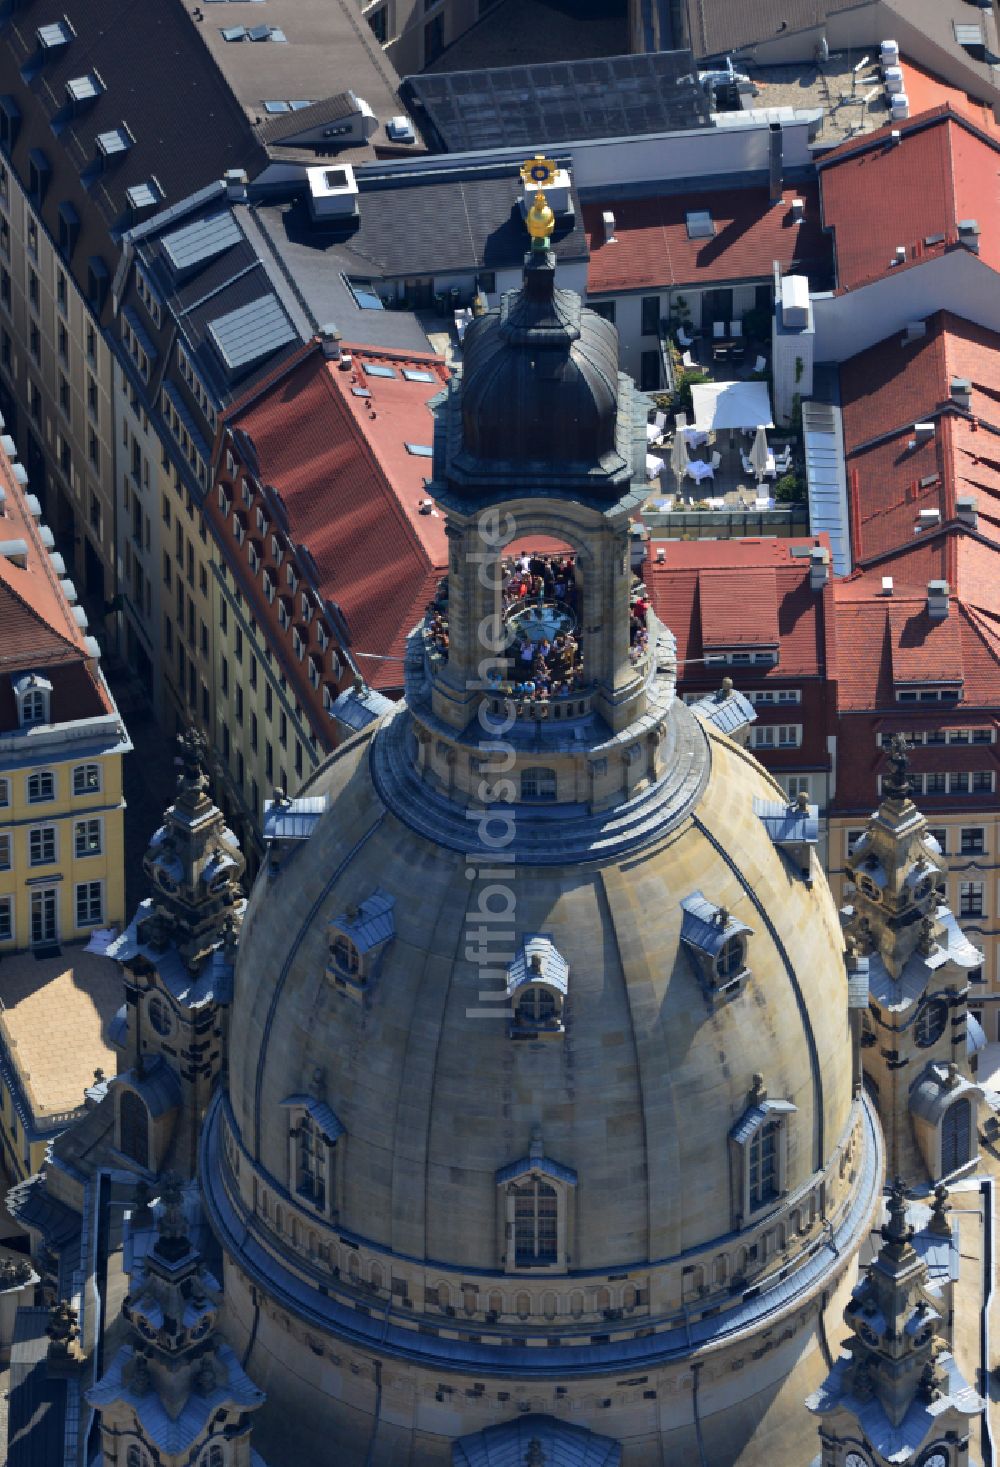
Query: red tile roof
pixel 877 195
pixel 747 620
pixel 653 251
pixel 922 650
pixel 925 91
pixel 38 631
pixel 351 489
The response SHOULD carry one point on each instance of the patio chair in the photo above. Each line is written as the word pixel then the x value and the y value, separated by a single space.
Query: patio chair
pixel 687 360
pixel 760 365
pixel 683 340
pixel 736 328
pixel 783 461
pixel 718 330
pixel 748 467
pixel 716 458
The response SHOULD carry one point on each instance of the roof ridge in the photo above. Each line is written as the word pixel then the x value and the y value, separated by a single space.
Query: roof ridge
pixel 39 617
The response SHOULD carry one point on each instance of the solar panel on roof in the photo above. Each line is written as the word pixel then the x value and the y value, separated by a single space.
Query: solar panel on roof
pixel 527 105
pixel 201 241
pixel 251 332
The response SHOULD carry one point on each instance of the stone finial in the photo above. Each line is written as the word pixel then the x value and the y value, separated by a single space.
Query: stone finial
pixel 896 1231
pixel 757 1093
pixel 99 1076
pixel 278 798
pixel 172 1242
pixel 896 784
pixel 62 1329
pixel 952 1078
pixel 317 1083
pixel 536 962
pixel 204 1381
pixel 192 760
pixel 141 1381
pixel 927 945
pixel 940 1208
pixel 928 1389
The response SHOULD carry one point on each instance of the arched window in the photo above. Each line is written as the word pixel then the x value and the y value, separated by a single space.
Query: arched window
pixel 33 707
pixel 312 1162
pixel 931 1021
pixel 345 956
pixel 136 1457
pixel 538 784
pixel 133 1122
pixel 535 1008
pixel 956 1136
pixel 159 1015
pixel 731 959
pixel 763 1164
pixel 536 1224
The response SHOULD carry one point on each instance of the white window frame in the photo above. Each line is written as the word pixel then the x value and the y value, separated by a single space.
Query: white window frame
pixel 88 887
pixel 40 775
pixel 8 929
pixel 80 776
pixel 6 851
pixel 46 839
pixel 4 793
pixel 769 1112
pixel 971 889
pixel 84 826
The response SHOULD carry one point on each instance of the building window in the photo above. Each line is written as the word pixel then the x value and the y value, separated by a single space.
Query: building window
pixel 973 840
pixel 42 845
pixel 345 957
pixel 87 779
pixel 4 792
pixel 956 1136
pixel 931 1022
pixel 34 706
pixel 6 919
pixel 970 898
pixel 605 309
pixel 89 903
pixel 4 852
pixel 762 1162
pixel 650 315
pixel 87 837
pixel 311 1161
pixel 939 834
pixel 536 1224
pixel 731 959
pixel 649 371
pixel 41 787
pixel 133 1127
pixel 538 784
pixel 159 1016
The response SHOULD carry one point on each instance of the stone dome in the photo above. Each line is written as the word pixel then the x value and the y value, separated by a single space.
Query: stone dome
pixel 540 378
pixel 636 1097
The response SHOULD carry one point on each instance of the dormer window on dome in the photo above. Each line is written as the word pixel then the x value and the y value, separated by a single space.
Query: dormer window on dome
pixel 534 1197
pixel 717 943
pixel 313 1133
pixel 358 937
pixel 33 695
pixel 759 1152
pixel 537 983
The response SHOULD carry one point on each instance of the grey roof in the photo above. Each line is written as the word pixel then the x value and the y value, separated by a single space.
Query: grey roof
pixel 38 1401
pixel 293 819
pixel 788 824
pixel 728 712
pixel 542 1164
pixel 357 709
pixel 563 1445
pixel 213 983
pixel 372 924
pixel 300 119
pixel 31 1203
pixel 755 1116
pixel 701 928
pixel 252 331
pixel 325 1118
pixel 553 968
pixel 201 240
pixel 919 1426
pixel 559 102
pixel 157 1085
pixel 858 984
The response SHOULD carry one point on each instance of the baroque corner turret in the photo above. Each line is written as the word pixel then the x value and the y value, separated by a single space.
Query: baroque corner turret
pixel 177 957
pixel 900 931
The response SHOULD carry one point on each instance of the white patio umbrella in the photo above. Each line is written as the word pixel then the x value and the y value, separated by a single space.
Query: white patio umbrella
pixel 679 457
pixel 759 453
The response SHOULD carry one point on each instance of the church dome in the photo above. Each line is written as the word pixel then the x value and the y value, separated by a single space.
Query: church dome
pixel 635 1088
pixel 540 378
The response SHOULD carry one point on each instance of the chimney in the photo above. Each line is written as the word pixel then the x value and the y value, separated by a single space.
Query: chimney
pixel 887 585
pixel 819 567
pixel 899 257
pixel 330 339
pixel 968 234
pixel 927 519
pixel 798 210
pixel 661 554
pixel 236 181
pixel 896 136
pixel 923 431
pixel 961 392
pixel 965 510
pixel 914 331
pixel 775 161
pixel 937 600
pixel 609 227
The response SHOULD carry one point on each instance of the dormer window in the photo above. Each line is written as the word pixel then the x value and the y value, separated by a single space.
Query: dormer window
pixel 535 1219
pixel 537 983
pixel 759 1152
pixel 358 938
pixel 313 1135
pixel 33 694
pixel 717 943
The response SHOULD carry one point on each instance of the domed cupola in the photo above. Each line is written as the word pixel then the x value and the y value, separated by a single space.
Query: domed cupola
pixel 540 382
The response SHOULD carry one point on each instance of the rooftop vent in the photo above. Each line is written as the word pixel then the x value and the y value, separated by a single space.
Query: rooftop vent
pixel 923 431
pixel 329 340
pixel 146 195
pixel 937 600
pixel 888 53
pixel 927 519
pixel 661 554
pixel 700 224
pixel 798 210
pixel 819 567
pixel 893 76
pixel 795 302
pixel 608 219
pixel 400 130
pixel 961 391
pixel 914 331
pixel 59 33
pixel 16 551
pixel 117 141
pixel 887 585
pixel 333 192
pixel 965 510
pixel 895 136
pixel 81 89
pixel 899 255
pixel 968 234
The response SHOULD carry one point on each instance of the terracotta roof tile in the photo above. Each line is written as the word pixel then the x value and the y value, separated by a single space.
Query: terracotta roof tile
pixel 652 248
pixel 877 196
pixel 748 619
pixel 351 489
pixel 923 649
